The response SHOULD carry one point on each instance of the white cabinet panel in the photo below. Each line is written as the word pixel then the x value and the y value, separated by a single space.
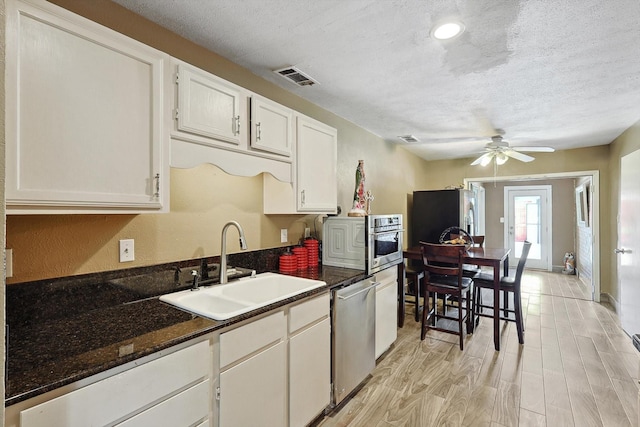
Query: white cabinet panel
pixel 386 310
pixel 314 187
pixel 271 126
pixel 208 106
pixel 309 373
pixel 316 166
pixel 116 397
pixel 84 116
pixel 253 392
pixel 184 409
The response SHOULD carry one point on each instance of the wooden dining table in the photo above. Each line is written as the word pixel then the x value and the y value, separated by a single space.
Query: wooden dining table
pixel 491 257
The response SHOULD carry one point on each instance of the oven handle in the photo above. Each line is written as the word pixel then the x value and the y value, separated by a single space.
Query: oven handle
pixel 373 285
pixel 386 232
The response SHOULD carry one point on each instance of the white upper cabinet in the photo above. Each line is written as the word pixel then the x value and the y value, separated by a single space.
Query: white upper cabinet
pixel 210 124
pixel 209 106
pixel 314 187
pixel 271 126
pixel 317 146
pixel 84 116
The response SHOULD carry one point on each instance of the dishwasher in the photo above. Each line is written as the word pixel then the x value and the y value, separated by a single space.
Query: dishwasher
pixel 353 316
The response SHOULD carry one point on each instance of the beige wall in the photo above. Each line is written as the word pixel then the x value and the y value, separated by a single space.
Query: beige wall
pixel 203 198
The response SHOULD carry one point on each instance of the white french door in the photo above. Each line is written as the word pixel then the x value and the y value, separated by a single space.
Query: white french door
pixel 528 217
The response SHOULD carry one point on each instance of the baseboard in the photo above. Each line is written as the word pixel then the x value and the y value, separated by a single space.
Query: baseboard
pixel 607 298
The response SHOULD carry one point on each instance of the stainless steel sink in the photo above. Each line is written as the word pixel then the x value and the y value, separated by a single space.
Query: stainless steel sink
pixel 220 302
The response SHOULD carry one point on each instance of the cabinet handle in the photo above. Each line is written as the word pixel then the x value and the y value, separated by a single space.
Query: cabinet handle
pixel 236 124
pixel 157 179
pixel 258 132
pixel 302 197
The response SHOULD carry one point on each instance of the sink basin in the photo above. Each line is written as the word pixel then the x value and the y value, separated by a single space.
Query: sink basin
pixel 220 302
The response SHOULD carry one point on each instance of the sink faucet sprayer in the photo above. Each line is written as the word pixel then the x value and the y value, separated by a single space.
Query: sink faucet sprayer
pixel 223 250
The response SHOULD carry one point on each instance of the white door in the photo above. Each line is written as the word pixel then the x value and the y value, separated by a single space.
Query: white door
pixel 628 236
pixel 528 217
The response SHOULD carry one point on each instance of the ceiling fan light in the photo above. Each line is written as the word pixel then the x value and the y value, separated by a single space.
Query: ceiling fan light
pixel 501 159
pixel 486 160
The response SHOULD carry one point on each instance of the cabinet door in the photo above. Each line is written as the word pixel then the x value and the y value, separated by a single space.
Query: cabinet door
pixel 309 373
pixel 271 126
pixel 119 396
pixel 386 313
pixel 253 392
pixel 316 166
pixel 84 116
pixel 208 106
pixel 184 409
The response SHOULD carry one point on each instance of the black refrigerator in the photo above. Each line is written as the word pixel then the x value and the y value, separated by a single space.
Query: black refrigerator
pixel 436 210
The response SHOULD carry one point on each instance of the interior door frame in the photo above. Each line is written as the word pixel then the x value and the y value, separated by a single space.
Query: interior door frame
pixel 548 219
pixel 595 180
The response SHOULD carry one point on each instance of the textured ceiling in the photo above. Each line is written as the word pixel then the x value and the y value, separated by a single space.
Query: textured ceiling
pixel 560 73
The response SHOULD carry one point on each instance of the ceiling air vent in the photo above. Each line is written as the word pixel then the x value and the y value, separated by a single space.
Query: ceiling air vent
pixel 296 76
pixel 409 139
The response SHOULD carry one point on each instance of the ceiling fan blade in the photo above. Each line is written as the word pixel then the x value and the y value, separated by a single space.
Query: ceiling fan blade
pixel 535 149
pixel 518 156
pixel 485 157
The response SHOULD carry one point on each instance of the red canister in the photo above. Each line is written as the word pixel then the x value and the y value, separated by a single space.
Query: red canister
pixel 303 258
pixel 288 262
pixel 312 251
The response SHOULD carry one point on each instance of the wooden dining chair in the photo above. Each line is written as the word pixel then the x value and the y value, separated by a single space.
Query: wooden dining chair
pixel 415 277
pixel 469 270
pixel 442 265
pixel 508 284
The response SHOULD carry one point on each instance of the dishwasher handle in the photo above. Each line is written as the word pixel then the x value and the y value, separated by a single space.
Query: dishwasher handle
pixel 373 285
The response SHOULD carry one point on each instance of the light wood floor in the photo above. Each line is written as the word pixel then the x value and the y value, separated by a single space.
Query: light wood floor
pixel 576 368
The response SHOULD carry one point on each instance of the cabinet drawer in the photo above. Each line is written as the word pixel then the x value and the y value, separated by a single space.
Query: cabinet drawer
pixel 242 341
pixel 116 397
pixel 308 312
pixel 184 409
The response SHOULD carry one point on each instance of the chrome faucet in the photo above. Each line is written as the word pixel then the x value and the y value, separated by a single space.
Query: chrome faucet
pixel 223 250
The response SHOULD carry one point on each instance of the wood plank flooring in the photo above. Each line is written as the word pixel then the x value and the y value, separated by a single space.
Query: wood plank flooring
pixel 576 368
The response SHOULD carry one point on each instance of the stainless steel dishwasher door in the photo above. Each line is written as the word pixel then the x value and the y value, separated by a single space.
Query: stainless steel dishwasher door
pixel 353 340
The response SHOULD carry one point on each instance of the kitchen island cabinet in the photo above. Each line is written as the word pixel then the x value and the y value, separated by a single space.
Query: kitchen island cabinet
pixel 84 122
pixel 314 188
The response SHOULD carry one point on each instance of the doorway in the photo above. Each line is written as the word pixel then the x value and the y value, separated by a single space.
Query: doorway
pixel 527 213
pixel 594 179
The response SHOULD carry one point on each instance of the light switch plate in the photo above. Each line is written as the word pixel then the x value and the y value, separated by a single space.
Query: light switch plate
pixel 283 235
pixel 127 253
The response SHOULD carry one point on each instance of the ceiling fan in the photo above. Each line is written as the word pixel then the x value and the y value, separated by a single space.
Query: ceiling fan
pixel 500 150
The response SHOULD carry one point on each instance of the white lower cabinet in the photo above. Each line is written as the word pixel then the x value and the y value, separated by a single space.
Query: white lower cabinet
pixel 252 386
pixel 275 371
pixel 386 309
pixel 309 360
pixel 173 390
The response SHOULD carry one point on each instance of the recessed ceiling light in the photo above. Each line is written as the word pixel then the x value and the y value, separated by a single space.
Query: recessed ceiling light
pixel 447 30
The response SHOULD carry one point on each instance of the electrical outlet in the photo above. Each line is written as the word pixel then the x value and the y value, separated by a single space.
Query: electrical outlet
pixel 283 236
pixel 307 232
pixel 9 261
pixel 127 253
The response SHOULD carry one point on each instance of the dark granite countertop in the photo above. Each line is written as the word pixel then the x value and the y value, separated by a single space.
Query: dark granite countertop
pixel 64 330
